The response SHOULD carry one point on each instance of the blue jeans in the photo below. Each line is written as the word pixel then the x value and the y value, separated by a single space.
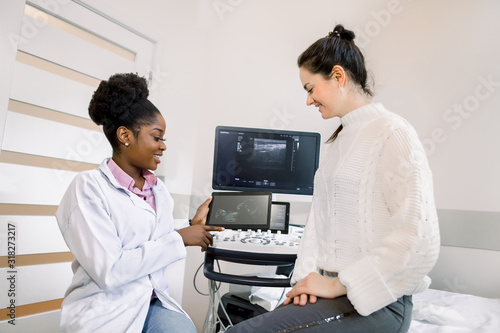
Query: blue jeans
pixel 330 315
pixel 160 319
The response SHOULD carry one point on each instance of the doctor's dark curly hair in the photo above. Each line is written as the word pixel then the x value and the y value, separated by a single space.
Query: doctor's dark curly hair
pixel 122 101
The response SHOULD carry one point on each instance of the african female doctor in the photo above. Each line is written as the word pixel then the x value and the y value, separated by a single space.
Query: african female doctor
pixel 372 234
pixel 118 222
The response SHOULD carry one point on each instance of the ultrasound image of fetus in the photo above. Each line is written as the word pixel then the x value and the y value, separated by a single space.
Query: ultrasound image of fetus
pixel 245 211
pixel 226 216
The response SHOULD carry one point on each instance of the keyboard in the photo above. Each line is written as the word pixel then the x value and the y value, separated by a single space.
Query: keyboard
pixel 258 241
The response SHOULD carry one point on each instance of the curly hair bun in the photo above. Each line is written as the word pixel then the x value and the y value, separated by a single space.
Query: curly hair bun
pixel 113 98
pixel 342 33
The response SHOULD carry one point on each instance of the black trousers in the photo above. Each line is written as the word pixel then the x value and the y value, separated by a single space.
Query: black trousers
pixel 330 315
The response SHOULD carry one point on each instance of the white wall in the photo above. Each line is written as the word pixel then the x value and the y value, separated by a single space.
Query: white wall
pixel 233 63
pixel 9 16
pixel 426 56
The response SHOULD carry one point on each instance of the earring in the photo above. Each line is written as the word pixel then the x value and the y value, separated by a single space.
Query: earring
pixel 127 144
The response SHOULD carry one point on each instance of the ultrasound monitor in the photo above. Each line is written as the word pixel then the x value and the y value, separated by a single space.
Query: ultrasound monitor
pixel 253 159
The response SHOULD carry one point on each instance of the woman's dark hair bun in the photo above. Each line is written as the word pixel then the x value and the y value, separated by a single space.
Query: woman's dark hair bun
pixel 341 32
pixel 113 98
pixel 337 48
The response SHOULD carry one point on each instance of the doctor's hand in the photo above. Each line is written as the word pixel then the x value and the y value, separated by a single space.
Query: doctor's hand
pixel 201 213
pixel 198 235
pixel 313 286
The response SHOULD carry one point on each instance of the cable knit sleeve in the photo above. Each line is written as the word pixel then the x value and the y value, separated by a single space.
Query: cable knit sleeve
pixel 308 251
pixel 403 248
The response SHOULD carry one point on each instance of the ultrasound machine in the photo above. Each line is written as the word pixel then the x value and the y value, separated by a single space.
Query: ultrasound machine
pixel 250 166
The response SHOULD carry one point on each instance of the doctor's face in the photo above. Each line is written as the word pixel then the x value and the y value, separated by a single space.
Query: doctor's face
pixel 146 150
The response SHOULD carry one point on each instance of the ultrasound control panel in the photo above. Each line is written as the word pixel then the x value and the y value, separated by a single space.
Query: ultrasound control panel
pixel 259 241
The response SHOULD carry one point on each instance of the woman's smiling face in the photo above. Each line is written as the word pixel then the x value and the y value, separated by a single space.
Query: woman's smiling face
pixel 322 93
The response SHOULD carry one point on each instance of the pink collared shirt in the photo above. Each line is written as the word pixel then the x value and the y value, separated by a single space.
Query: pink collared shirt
pixel 128 182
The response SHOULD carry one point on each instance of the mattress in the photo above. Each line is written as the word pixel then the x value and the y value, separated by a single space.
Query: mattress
pixel 448 312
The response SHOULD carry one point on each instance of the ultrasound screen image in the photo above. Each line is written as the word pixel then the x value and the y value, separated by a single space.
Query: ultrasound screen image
pixel 264 159
pixel 227 210
pixel 269 154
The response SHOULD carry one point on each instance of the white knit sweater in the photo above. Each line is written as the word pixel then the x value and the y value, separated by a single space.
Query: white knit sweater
pixel 373 219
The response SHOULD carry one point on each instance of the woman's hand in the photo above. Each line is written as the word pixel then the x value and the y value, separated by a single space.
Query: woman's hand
pixel 198 235
pixel 313 286
pixel 201 213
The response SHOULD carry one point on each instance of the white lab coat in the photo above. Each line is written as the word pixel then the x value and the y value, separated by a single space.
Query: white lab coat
pixel 121 249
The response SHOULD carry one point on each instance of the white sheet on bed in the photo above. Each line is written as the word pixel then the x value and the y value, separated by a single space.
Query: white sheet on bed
pixel 436 311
